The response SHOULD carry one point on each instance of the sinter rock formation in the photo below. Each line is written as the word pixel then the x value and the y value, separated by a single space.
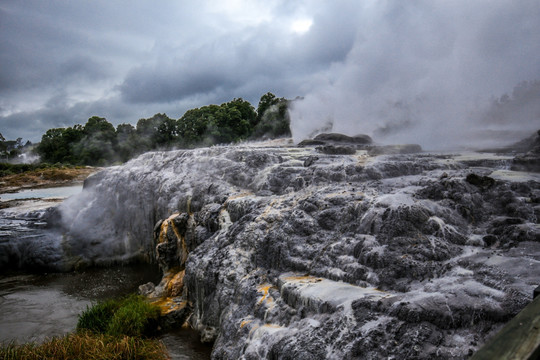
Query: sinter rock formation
pixel 293 253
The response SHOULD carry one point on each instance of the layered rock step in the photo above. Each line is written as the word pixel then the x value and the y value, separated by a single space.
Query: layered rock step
pixel 321 295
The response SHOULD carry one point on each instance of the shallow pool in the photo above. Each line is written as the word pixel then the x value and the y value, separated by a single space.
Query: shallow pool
pixel 34 307
pixel 60 192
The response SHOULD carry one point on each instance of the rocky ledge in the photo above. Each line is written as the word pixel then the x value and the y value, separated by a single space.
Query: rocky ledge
pixel 293 253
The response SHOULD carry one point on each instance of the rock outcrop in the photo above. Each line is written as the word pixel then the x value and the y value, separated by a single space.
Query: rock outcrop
pixel 286 252
pixel 340 144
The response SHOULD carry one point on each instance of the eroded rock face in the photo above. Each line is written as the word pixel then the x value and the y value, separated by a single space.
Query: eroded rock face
pixel 292 253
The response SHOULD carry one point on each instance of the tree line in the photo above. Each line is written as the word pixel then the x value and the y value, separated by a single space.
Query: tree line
pixel 99 143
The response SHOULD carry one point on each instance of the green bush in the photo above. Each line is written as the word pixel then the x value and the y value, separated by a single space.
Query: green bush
pixel 131 316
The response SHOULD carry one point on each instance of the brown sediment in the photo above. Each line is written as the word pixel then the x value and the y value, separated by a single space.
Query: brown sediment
pixel 169 304
pixel 303 279
pixel 264 289
pixel 245 322
pixel 45 178
pixel 176 284
pixel 170 299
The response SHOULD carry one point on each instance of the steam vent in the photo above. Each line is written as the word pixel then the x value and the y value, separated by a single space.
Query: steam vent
pixel 334 249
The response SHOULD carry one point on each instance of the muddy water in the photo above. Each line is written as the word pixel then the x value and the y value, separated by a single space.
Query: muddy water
pixel 35 307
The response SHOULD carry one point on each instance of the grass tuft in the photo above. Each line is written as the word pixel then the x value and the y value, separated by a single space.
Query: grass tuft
pixel 96 318
pixel 86 345
pixel 131 316
pixel 112 329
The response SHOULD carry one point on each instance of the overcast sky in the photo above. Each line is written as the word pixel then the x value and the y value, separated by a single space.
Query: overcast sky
pixel 406 70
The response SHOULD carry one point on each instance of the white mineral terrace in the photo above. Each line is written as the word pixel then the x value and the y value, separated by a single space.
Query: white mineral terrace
pixel 317 291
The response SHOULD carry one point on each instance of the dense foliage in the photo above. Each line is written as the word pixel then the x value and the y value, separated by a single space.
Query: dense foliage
pixel 99 143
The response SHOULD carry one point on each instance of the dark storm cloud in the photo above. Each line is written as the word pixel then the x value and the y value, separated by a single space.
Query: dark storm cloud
pixel 176 79
pixel 39 51
pixel 227 63
pixel 386 67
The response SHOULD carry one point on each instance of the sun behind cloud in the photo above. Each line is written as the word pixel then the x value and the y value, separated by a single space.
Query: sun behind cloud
pixel 301 26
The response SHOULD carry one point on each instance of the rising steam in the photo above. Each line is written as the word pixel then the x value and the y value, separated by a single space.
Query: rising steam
pixel 433 73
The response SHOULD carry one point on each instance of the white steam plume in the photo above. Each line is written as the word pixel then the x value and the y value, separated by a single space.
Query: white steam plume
pixel 428 72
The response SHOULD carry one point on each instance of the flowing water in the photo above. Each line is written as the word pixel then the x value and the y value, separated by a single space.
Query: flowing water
pixel 37 306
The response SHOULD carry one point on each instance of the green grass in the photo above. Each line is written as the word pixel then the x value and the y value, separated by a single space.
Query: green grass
pixel 131 316
pixel 98 317
pixel 111 329
pixel 86 345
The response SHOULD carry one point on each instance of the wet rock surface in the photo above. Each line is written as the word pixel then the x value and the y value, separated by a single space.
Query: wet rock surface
pixel 286 252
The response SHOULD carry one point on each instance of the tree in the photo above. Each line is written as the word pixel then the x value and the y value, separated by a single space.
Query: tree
pixel 96 147
pixel 236 120
pixel 99 143
pixel 213 124
pixel 159 131
pixel 127 141
pixel 99 126
pixel 273 118
pixel 247 110
pixel 265 102
pixel 167 132
pixel 57 145
pixel 193 125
